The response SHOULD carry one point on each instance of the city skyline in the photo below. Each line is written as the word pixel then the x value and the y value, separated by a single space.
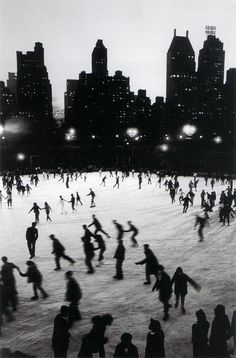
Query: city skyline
pixel 138 49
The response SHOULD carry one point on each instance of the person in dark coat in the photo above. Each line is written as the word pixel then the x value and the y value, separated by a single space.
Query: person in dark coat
pixel 134 231
pixel 186 201
pixel 59 252
pixel 89 254
pixel 200 335
pixel 151 264
pixel 119 256
pixel 98 226
pixel 180 279
pixel 4 303
pixel 31 237
pixel 155 346
pixel 233 329
pixel 120 230
pixel 163 284
pixel 9 281
pixel 94 341
pixel 101 246
pixel 92 194
pixel 87 233
pixel 203 195
pixel 201 222
pixel 220 333
pixel 73 295
pixel 61 334
pixel 126 348
pixel 35 277
pixel 36 209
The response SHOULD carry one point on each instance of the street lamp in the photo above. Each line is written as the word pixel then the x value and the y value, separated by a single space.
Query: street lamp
pixel 189 129
pixel 217 140
pixel 70 134
pixel 20 156
pixel 132 132
pixel 164 147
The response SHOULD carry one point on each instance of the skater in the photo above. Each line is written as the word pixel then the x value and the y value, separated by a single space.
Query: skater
pixel 155 343
pixel 200 335
pixel 119 256
pixel 212 183
pixel 1 196
pixel 36 209
pixel 72 201
pixel 151 264
pixel 191 196
pixel 134 231
pixel 31 237
pixel 73 295
pixel 61 335
pixel 104 181
pixel 180 279
pixel 92 205
pixel 220 333
pixel 201 221
pixel 28 188
pixel 89 254
pixel 87 233
pixel 181 195
pixel 78 199
pixel 126 348
pixel 63 211
pixel 98 226
pixel 163 284
pixel 67 181
pixel 9 198
pixel 9 281
pixel 4 311
pixel 35 277
pixel 186 202
pixel 203 195
pixel 117 183
pixel 172 195
pixel 140 180
pixel 102 247
pixel 120 230
pixel 47 210
pixel 59 252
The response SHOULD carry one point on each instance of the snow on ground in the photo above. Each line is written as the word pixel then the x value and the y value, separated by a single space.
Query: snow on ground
pixel 171 236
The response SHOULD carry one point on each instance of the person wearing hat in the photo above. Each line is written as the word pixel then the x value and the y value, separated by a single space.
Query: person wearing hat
pixel 126 348
pixel 31 237
pixel 200 335
pixel 163 284
pixel 34 276
pixel 73 295
pixel 155 346
pixel 61 334
pixel 59 252
pixel 151 263
pixel 119 256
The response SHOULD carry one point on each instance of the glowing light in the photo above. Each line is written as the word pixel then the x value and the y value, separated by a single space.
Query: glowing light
pixel 180 136
pixel 132 132
pixel 70 134
pixel 189 129
pixel 217 140
pixel 93 136
pixel 1 129
pixel 20 156
pixel 164 147
pixel 200 136
pixel 72 131
pixel 117 135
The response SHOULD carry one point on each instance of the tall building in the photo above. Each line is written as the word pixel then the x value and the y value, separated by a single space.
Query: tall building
pixel 181 79
pixel 12 82
pixel 34 93
pixel 7 103
pixel 99 59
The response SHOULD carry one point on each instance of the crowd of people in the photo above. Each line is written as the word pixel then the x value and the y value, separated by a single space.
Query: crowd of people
pixel 204 344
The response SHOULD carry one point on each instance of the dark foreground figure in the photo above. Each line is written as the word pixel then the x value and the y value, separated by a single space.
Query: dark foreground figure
pixel 61 334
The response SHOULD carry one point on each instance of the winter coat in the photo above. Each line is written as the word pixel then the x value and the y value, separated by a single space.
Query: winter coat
pixel 150 261
pixel 199 339
pixel 220 333
pixel 33 275
pixel 61 335
pixel 31 233
pixel 58 248
pixel 73 291
pixel 122 352
pixel 180 281
pixel 120 252
pixel 155 345
pixel 88 249
pixel 163 284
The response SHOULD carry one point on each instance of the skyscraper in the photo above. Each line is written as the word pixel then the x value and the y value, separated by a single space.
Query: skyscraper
pixel 34 92
pixel 99 59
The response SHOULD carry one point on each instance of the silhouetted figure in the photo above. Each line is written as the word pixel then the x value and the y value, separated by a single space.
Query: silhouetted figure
pixel 31 237
pixel 73 295
pixel 9 282
pixel 101 246
pixel 34 276
pixel 119 256
pixel 9 198
pixel 220 333
pixel 72 201
pixel 163 284
pixel 61 335
pixel 98 226
pixel 186 201
pixel 117 183
pixel 78 199
pixel 104 181
pixel 140 180
pixel 126 348
pixel 47 210
pixel 28 188
pixel 87 232
pixel 151 263
pixel 233 328
pixel 35 209
pixel 59 252
pixel 134 231
pixel 4 311
pixel 180 280
pixel 155 346
pixel 89 254
pixel 62 203
pixel 201 223
pixel 120 230
pixel 203 195
pixel 200 336
pixel 92 194
pixel 172 195
pixel 67 181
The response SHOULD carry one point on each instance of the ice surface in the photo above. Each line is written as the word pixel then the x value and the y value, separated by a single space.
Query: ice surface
pixel 171 236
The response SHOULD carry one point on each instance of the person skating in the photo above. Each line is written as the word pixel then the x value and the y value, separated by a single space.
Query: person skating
pixel 61 335
pixel 117 183
pixel 28 188
pixel 134 231
pixel 72 201
pixel 200 335
pixel 98 226
pixel 78 200
pixel 31 237
pixel 201 223
pixel 140 180
pixel 102 247
pixel 186 201
pixel 36 209
pixel 92 194
pixel 4 311
pixel 9 282
pixel 89 254
pixel 155 342
pixel 119 256
pixel 35 277
pixel 47 210
pixel 172 194
pixel 62 200
pixel 163 284
pixel 59 252
pixel 126 348
pixel 67 181
pixel 9 198
pixel 120 230
pixel 203 195
pixel 151 263
pixel 103 181
pixel 87 233
pixel 73 295
pixel 1 196
pixel 181 280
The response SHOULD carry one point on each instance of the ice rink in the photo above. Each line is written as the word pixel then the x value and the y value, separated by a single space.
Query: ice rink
pixel 162 225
